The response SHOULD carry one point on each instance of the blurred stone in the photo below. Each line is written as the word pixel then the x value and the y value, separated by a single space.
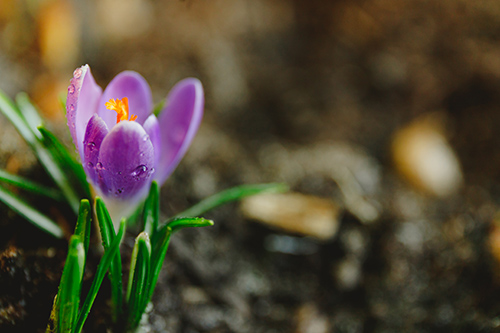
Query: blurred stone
pixel 290 245
pixel 494 239
pixel 424 158
pixel 294 212
pixel 194 295
pixel 309 320
pixel 348 273
pixel 356 173
pixel 354 241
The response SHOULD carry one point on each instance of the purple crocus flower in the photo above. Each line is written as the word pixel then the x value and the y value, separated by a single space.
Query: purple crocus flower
pixel 122 145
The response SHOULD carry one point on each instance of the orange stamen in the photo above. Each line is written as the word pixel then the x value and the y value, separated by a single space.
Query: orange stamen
pixel 120 106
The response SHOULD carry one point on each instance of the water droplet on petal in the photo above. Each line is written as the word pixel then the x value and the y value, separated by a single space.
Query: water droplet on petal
pixel 140 172
pixel 91 146
pixel 118 191
pixel 71 107
pixel 77 73
pixel 119 173
pixel 145 138
pixel 141 154
pixel 71 89
pixel 99 166
pixel 90 165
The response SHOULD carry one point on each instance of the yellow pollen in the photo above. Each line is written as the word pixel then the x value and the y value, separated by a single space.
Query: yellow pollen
pixel 120 106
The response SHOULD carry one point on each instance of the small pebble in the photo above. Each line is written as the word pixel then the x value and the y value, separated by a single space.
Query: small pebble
pixel 424 158
pixel 194 295
pixel 296 213
pixel 348 273
pixel 310 320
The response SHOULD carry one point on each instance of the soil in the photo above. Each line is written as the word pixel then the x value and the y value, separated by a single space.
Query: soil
pixel 284 79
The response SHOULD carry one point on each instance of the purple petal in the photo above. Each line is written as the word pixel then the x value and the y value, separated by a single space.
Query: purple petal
pixel 94 135
pixel 179 121
pixel 83 97
pixel 133 86
pixel 126 162
pixel 152 127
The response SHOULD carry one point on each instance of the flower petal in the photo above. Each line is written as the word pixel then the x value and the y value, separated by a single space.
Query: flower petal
pixel 152 127
pixel 94 135
pixel 179 121
pixel 126 162
pixel 133 86
pixel 83 97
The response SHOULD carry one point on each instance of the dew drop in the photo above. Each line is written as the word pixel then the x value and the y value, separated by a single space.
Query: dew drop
pixel 77 73
pixel 99 166
pixel 118 191
pixel 141 154
pixel 119 173
pixel 91 146
pixel 71 89
pixel 71 107
pixel 145 138
pixel 90 165
pixel 140 171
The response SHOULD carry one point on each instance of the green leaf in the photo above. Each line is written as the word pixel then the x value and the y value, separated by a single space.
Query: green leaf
pixel 107 231
pixel 50 164
pixel 106 260
pixel 58 175
pixel 191 222
pixel 31 135
pixel 29 113
pixel 232 194
pixel 30 186
pixel 159 107
pixel 29 213
pixel 66 160
pixel 160 246
pixel 151 212
pixel 68 299
pixel 138 284
pixel 83 224
pixel 13 114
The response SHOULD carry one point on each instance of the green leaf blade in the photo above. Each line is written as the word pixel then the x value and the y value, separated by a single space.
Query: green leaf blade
pixel 32 215
pixel 30 186
pixel 137 289
pixel 29 112
pixel 232 194
pixel 83 223
pixel 68 298
pixel 189 222
pixel 107 231
pixel 65 159
pixel 151 213
pixel 13 114
pixel 30 135
pixel 103 267
pixel 160 247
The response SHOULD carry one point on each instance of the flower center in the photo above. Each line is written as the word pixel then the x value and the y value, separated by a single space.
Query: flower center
pixel 121 108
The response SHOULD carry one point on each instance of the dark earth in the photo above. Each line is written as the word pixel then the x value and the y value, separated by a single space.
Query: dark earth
pixel 285 81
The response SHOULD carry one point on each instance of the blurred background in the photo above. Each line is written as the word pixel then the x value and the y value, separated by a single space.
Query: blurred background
pixel 381 115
